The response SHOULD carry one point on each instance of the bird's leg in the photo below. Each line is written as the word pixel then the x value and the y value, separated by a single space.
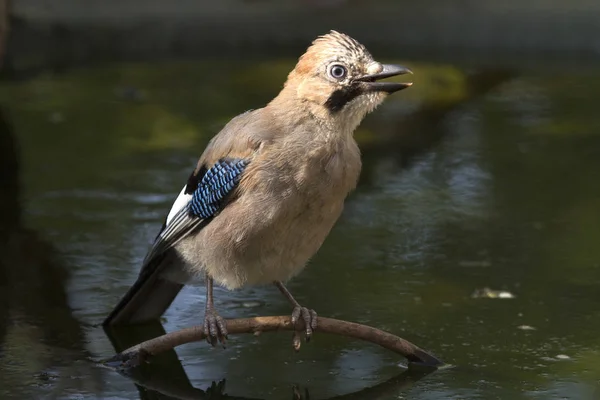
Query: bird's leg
pixel 309 316
pixel 215 328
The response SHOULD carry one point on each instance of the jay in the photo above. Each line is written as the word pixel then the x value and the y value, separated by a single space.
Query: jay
pixel 267 189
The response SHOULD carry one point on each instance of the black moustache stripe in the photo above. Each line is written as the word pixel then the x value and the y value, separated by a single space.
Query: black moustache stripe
pixel 341 97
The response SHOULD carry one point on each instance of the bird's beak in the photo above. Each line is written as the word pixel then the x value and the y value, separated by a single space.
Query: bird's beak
pixel 387 72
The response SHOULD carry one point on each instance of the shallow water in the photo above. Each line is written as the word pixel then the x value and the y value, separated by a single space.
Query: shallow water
pixel 471 180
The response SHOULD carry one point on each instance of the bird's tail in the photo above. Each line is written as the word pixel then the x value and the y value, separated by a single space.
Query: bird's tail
pixel 147 299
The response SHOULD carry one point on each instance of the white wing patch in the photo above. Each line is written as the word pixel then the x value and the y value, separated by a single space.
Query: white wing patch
pixel 181 201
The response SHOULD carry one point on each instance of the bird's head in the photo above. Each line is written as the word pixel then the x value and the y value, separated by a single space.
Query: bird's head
pixel 340 81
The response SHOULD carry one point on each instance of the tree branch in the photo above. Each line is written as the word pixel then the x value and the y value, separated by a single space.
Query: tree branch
pixel 142 352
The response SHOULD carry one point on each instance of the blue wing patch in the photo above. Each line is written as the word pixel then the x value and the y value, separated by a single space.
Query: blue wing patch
pixel 215 185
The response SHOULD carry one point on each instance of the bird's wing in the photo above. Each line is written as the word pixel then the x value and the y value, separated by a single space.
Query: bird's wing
pixel 210 188
pixel 206 193
pixel 212 184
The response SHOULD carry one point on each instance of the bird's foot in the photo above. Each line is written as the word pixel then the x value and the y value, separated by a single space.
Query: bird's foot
pixel 215 328
pixel 309 317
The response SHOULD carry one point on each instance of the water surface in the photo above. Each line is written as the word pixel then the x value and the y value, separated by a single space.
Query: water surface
pixel 472 179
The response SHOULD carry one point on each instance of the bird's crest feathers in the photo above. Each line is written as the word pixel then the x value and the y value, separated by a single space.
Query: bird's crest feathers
pixel 336 40
pixel 332 46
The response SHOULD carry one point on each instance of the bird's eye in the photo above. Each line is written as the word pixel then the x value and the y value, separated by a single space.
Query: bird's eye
pixel 338 71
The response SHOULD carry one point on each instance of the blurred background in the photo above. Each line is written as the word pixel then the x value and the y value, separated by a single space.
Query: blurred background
pixel 473 233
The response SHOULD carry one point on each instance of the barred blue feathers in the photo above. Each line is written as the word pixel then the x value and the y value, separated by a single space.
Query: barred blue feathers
pixel 216 184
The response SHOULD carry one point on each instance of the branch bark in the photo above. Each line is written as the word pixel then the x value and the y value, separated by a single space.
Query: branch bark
pixel 142 352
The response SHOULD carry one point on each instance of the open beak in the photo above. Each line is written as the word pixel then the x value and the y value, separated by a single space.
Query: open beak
pixel 388 71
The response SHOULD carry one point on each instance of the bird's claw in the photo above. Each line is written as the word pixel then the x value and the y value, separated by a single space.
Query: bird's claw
pixel 309 317
pixel 215 328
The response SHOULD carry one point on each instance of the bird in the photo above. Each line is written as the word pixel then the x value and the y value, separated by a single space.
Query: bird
pixel 267 189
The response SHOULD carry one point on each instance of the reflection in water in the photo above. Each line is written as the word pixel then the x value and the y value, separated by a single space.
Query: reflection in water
pixel 165 375
pixel 153 384
pixel 40 340
pixel 391 388
pixel 168 368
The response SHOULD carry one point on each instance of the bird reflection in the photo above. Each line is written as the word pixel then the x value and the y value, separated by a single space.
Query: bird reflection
pixel 154 386
pixel 388 389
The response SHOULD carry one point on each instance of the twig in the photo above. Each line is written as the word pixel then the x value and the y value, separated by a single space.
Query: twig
pixel 140 353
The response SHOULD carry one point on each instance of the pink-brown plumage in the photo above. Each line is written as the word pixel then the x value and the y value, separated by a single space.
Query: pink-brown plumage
pixel 302 163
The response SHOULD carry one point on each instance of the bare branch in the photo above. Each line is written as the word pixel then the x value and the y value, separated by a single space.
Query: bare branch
pixel 141 352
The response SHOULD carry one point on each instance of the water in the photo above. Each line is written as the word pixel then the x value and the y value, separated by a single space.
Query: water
pixel 472 179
